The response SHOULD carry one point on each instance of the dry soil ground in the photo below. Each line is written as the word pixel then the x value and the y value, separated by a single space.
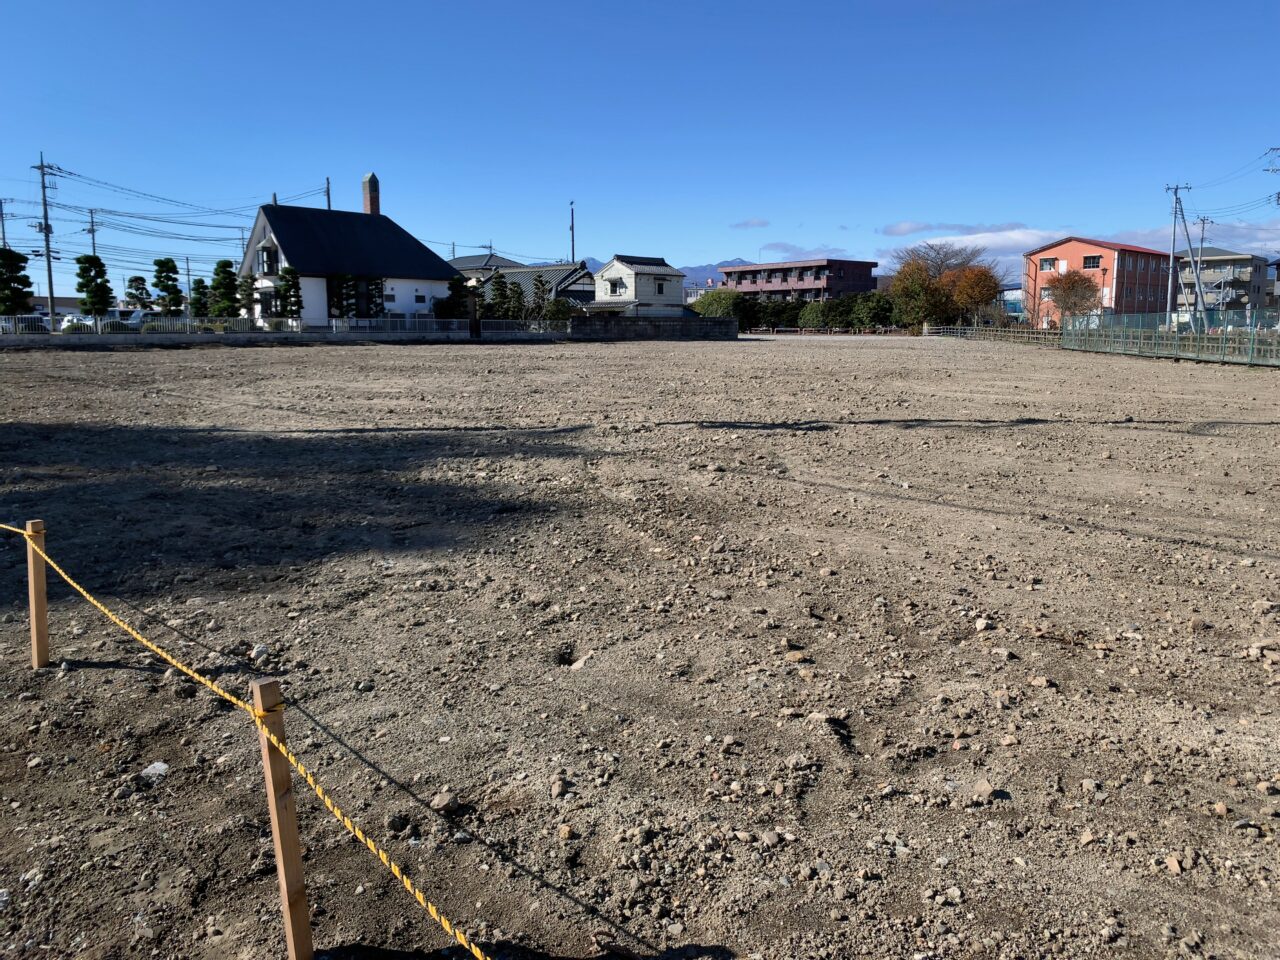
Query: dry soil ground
pixel 877 647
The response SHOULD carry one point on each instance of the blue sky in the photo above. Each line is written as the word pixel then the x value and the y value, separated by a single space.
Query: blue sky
pixel 694 131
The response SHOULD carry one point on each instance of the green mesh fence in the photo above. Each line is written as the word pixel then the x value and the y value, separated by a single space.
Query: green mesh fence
pixel 1220 336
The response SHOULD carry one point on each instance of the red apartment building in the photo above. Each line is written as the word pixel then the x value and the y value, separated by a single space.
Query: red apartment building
pixel 1131 279
pixel 801 279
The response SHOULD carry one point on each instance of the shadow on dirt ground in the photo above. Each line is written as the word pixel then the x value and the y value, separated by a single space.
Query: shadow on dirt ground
pixel 135 509
pixel 603 922
pixel 511 952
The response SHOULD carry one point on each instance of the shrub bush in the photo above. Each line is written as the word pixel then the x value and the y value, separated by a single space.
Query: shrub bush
pixel 276 326
pixel 76 327
pixel 116 326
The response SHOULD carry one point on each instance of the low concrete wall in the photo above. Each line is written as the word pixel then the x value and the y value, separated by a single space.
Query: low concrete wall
pixel 580 328
pixel 653 328
pixel 111 341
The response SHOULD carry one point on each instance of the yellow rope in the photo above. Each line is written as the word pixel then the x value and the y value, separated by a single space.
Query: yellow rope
pixel 257 715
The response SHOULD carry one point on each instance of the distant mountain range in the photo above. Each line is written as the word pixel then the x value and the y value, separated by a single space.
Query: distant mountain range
pixel 693 276
pixel 698 276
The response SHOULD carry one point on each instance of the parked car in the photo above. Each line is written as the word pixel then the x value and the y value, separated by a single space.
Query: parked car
pixel 75 320
pixel 31 323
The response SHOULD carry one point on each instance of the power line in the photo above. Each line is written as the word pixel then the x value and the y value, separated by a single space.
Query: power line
pixel 1238 172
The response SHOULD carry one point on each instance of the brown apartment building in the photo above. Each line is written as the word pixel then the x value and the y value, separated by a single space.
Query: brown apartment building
pixel 801 279
pixel 1130 279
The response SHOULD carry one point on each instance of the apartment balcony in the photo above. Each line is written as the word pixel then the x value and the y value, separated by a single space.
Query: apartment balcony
pixel 779 286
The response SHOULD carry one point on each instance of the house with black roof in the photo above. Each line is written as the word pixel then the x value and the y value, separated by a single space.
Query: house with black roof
pixel 565 281
pixel 350 264
pixel 629 286
pixel 481 266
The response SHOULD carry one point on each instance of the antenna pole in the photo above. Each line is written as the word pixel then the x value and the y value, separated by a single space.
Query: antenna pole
pixel 573 249
pixel 328 201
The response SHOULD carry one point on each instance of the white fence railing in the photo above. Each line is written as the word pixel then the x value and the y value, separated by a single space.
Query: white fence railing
pixel 211 326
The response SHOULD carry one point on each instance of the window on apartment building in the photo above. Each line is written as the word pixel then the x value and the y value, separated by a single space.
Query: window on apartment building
pixel 615 288
pixel 840 273
pixel 1092 263
pixel 661 284
pixel 1048 264
pixel 419 298
pixel 388 298
pixel 1046 294
pixel 1142 264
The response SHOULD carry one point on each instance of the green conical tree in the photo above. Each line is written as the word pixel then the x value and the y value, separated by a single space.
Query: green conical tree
pixel 136 293
pixel 223 299
pixel 246 296
pixel 199 297
pixel 497 295
pixel 289 292
pixel 15 285
pixel 92 285
pixel 169 296
pixel 515 302
pixel 541 293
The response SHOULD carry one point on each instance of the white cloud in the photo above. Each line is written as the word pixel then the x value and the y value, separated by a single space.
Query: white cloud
pixel 751 223
pixel 796 252
pixel 903 228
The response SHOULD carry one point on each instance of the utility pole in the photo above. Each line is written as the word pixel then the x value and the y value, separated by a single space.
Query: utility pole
pixel 453 250
pixel 1173 245
pixel 1195 269
pixel 4 243
pixel 328 201
pixel 188 259
pixel 573 249
pixel 1204 304
pixel 47 230
pixel 93 234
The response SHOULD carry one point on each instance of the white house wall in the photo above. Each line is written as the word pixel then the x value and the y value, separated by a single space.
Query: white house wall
pixel 615 271
pixel 315 301
pixel 643 287
pixel 406 293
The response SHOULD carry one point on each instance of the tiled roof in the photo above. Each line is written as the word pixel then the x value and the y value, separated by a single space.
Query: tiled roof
pixel 641 261
pixel 600 305
pixel 557 275
pixel 647 265
pixel 1105 244
pixel 1214 253
pixel 323 243
pixel 483 261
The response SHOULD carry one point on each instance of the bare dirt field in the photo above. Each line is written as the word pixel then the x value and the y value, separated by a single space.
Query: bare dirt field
pixel 768 649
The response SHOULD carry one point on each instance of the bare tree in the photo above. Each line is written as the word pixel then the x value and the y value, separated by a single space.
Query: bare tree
pixel 940 256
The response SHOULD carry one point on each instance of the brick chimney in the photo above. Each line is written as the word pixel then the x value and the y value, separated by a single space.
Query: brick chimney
pixel 372 197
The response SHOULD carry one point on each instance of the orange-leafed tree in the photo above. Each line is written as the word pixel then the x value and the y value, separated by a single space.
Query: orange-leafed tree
pixel 972 289
pixel 1074 294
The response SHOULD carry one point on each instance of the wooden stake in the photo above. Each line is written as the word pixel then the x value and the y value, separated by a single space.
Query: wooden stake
pixel 284 823
pixel 38 599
